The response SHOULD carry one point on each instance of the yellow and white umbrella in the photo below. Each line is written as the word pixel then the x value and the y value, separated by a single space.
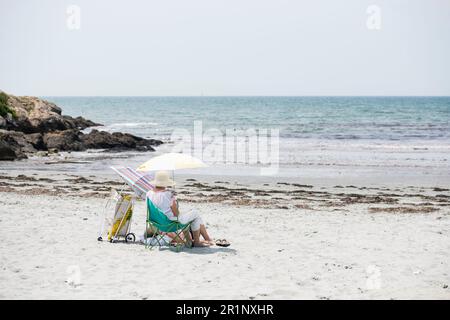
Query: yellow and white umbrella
pixel 171 162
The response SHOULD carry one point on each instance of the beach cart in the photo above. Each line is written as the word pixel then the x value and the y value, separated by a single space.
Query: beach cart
pixel 117 227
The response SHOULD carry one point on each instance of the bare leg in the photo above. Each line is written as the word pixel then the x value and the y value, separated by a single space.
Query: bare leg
pixel 197 242
pixel 204 233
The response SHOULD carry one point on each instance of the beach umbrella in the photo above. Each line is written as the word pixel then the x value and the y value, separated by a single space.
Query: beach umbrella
pixel 171 162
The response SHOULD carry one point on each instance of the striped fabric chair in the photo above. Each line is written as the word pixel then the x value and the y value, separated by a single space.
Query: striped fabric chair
pixel 139 182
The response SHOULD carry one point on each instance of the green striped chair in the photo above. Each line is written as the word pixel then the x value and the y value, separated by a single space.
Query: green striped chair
pixel 160 224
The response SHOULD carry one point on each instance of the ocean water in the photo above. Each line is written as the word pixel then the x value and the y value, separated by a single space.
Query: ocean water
pixel 324 136
pixel 305 118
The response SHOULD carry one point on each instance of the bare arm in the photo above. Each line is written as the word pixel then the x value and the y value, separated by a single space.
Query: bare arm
pixel 174 208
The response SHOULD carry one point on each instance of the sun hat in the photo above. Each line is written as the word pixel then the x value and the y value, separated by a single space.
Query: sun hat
pixel 162 179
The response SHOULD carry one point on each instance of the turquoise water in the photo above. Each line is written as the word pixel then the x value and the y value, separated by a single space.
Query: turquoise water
pixel 314 118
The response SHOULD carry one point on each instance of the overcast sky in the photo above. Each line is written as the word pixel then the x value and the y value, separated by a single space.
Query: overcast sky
pixel 225 47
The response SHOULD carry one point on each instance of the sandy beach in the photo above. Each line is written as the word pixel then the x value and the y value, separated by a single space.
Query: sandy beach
pixel 311 137
pixel 289 241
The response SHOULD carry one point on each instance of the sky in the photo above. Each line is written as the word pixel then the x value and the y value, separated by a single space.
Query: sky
pixel 224 47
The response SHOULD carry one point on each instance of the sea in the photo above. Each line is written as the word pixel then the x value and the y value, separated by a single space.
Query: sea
pixel 324 136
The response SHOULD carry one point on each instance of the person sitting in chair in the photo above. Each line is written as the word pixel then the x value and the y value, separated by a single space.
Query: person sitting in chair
pixel 166 201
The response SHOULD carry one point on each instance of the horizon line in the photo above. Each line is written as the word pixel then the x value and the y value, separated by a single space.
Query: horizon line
pixel 244 96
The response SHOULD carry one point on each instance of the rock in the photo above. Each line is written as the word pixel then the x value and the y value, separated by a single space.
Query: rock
pixel 99 140
pixel 13 145
pixel 2 123
pixel 7 152
pixel 67 140
pixel 148 142
pixel 17 138
pixel 36 140
pixel 81 123
pixel 74 140
pixel 34 115
pixel 42 153
pixel 117 141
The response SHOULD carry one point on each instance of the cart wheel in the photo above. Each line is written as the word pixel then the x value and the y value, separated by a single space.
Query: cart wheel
pixel 100 239
pixel 130 237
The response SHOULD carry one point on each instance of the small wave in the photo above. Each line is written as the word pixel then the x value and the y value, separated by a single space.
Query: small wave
pixel 132 125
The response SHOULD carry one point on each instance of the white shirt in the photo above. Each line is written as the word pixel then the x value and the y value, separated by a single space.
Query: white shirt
pixel 163 200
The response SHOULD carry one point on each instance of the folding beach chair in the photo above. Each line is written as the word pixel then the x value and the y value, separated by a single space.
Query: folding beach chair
pixel 161 226
pixel 138 182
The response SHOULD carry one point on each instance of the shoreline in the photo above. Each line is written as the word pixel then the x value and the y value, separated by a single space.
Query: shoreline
pixel 311 163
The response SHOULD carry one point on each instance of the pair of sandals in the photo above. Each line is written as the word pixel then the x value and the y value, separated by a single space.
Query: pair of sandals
pixel 222 243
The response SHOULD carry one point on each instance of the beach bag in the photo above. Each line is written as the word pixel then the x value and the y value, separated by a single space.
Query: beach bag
pixel 116 220
pixel 122 217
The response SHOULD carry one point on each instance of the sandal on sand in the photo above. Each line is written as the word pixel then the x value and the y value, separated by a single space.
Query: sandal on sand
pixel 222 243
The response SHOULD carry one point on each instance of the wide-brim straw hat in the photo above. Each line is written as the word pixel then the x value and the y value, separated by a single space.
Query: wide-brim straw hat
pixel 162 179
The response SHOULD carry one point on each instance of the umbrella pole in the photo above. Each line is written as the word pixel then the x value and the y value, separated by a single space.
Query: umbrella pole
pixel 173 178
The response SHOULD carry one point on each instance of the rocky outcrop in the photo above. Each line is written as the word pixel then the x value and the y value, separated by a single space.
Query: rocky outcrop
pixel 117 141
pixel 73 140
pixel 30 124
pixel 34 115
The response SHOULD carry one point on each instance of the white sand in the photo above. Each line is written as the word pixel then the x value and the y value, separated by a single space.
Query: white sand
pixel 275 254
